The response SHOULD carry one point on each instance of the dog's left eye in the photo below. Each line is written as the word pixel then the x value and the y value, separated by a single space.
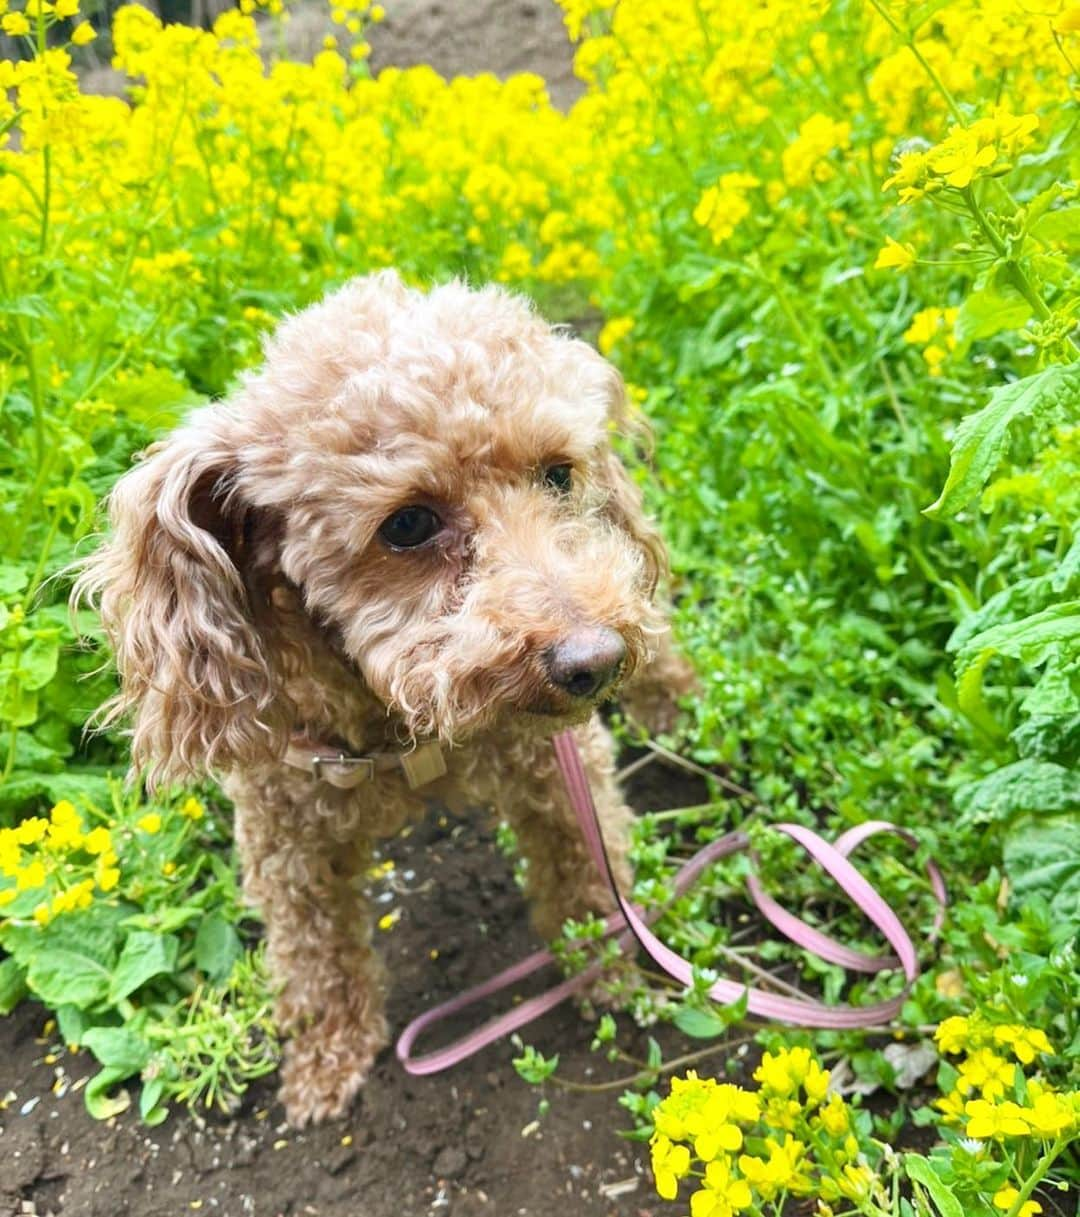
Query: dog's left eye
pixel 410 527
pixel 559 477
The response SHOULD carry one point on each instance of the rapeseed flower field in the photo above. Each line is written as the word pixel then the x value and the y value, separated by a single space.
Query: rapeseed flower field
pixel 832 247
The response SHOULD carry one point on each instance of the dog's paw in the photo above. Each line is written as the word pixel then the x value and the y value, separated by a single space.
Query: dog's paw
pixel 320 1076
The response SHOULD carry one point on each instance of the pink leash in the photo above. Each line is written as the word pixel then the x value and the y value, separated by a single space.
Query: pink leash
pixel 629 923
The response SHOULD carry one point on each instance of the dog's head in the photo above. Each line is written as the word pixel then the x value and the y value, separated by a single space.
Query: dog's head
pixel 433 477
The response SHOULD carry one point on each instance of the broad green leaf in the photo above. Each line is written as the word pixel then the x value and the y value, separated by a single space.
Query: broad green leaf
pixel 1042 858
pixel 12 984
pixel 144 956
pixel 1024 786
pixel 1033 640
pixel 217 947
pixel 922 1172
pixel 58 976
pixel 981 438
pixel 72 1023
pixel 1060 227
pixel 117 1048
pixel 699 1024
pixel 12 579
pixel 989 310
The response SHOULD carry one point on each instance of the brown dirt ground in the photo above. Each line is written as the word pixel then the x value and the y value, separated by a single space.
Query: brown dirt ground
pixel 464 1143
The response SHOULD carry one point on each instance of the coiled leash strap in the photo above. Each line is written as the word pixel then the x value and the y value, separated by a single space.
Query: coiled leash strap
pixel 629 923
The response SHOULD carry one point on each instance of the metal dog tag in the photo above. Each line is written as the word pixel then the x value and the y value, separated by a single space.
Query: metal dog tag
pixel 424 764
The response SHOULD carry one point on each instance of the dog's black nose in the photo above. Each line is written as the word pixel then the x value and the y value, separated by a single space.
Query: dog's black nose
pixel 585 661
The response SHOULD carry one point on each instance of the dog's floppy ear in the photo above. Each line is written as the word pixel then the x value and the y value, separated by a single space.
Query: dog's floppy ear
pixel 624 499
pixel 194 673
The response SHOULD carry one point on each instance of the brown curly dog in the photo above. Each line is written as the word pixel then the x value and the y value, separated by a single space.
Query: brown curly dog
pixel 406 539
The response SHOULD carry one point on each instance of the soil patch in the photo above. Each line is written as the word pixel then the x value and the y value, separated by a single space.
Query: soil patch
pixel 465 1143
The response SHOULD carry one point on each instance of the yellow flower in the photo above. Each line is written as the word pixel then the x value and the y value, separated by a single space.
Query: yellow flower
pixel 835 1117
pixel 98 841
pixel 782 1074
pixel 67 8
pixel 83 33
pixel 149 823
pixel 780 1172
pixel 952 1034
pixel 15 24
pixel 894 256
pixel 670 1163
pixel 952 1107
pixel 192 809
pixel 986 1071
pixel 1025 1042
pixel 1049 1114
pixel 987 1120
pixel 722 1194
pixel 30 876
pixel 1006 1198
pixel 389 920
pixel 613 333
pixel 107 877
pixel 30 831
pixel 42 915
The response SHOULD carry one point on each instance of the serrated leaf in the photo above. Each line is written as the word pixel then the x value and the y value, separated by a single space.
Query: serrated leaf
pixel 981 438
pixel 1033 640
pixel 1042 858
pixel 1017 789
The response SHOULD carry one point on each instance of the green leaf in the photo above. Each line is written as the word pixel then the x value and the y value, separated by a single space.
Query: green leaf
pixel 12 984
pixel 1042 858
pixel 12 579
pixel 117 1048
pixel 1060 227
pixel 59 976
pixel 920 1171
pixel 981 438
pixel 989 310
pixel 1033 640
pixel 699 1024
pixel 72 1023
pixel 99 1103
pixel 1017 789
pixel 144 956
pixel 217 947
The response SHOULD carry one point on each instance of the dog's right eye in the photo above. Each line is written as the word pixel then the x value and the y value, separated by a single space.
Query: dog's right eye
pixel 410 527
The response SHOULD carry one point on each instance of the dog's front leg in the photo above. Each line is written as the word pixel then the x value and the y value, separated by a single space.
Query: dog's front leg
pixel 561 878
pixel 306 881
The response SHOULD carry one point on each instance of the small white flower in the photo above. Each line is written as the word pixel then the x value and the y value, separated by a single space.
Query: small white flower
pixel 971 1147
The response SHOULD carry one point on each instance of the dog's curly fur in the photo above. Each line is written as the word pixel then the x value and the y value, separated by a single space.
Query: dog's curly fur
pixel 249 597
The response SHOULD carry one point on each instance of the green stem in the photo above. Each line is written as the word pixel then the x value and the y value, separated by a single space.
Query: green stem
pixel 908 38
pixel 1013 268
pixel 1037 1176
